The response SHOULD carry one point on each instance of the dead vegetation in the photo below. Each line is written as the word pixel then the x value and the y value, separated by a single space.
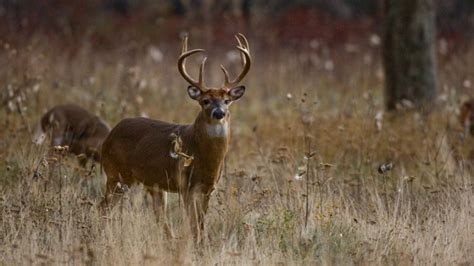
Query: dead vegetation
pixel 301 183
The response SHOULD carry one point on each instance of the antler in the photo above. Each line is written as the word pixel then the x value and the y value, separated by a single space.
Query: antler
pixel 246 61
pixel 182 67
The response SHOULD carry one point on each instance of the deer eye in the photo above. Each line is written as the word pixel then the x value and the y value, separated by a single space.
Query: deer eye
pixel 226 101
pixel 206 102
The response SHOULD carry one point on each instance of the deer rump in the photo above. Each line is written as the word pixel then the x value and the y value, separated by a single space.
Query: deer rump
pixel 70 125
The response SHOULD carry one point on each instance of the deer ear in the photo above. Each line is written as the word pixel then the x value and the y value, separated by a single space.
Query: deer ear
pixel 194 92
pixel 237 92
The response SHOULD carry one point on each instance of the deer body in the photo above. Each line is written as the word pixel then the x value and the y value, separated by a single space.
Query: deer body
pixel 141 149
pixel 70 125
pixel 124 153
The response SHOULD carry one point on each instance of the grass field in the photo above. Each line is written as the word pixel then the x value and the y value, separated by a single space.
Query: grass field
pixel 300 186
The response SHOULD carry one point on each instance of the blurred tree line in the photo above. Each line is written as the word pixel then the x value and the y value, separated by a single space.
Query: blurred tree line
pixel 409 27
pixel 452 13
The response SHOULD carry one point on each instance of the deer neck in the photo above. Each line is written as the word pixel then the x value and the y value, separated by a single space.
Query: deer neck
pixel 211 137
pixel 207 142
pixel 208 129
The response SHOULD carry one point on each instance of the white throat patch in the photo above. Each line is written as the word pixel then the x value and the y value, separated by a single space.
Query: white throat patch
pixel 217 130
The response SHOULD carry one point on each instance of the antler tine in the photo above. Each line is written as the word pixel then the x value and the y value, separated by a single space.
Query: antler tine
pixel 182 65
pixel 242 58
pixel 185 44
pixel 243 47
pixel 201 72
pixel 246 42
pixel 238 40
pixel 226 75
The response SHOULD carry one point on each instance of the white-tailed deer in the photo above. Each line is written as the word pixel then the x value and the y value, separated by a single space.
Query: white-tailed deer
pixel 70 125
pixel 143 150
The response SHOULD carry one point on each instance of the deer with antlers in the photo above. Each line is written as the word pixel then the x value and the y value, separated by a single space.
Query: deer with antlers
pixel 144 150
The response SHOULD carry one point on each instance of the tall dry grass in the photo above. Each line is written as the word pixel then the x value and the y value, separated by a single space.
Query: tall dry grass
pixel 300 186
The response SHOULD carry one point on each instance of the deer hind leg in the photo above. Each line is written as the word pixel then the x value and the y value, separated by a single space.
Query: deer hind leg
pixel 159 207
pixel 197 202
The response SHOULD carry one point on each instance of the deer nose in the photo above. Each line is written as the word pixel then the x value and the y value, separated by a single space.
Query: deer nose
pixel 218 113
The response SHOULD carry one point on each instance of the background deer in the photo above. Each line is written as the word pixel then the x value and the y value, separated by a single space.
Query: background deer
pixel 70 125
pixel 144 150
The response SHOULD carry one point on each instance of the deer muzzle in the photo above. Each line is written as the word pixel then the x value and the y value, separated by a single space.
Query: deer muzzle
pixel 218 113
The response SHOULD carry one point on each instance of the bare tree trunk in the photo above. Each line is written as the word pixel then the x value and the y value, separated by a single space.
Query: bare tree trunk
pixel 409 53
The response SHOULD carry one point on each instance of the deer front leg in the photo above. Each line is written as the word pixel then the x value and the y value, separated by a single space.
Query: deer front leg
pixel 159 207
pixel 113 193
pixel 57 136
pixel 197 201
pixel 56 139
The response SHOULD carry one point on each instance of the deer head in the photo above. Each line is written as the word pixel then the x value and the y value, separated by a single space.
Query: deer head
pixel 215 102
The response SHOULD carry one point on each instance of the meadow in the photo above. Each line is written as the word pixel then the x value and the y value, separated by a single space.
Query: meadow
pixel 301 183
